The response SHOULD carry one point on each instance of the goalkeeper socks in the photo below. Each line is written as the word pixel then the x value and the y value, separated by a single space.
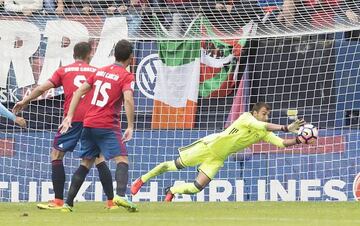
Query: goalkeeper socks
pixel 159 169
pixel 76 182
pixel 121 177
pixel 187 188
pixel 58 178
pixel 106 180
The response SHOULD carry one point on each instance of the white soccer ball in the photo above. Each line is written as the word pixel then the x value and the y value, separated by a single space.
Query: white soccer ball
pixel 308 134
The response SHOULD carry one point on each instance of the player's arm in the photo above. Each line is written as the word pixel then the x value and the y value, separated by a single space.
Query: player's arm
pixel 82 90
pixel 129 109
pixel 38 91
pixel 293 127
pixel 7 114
pixel 279 142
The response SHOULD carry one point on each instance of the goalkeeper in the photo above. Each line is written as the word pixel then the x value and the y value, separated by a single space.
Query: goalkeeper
pixel 211 151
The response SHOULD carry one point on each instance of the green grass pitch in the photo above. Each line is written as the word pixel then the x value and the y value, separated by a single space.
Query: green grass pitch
pixel 215 213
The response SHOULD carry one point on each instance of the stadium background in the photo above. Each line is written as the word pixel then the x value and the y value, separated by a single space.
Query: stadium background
pixel 331 103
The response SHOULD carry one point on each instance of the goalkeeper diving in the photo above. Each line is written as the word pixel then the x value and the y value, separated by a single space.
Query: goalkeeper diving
pixel 210 152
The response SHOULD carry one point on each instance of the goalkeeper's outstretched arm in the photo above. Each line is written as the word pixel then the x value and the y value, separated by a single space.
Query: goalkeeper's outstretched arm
pixel 279 142
pixel 259 122
pixel 293 127
pixel 291 142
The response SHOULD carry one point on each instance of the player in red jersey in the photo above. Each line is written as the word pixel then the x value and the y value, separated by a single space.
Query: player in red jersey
pixel 108 89
pixel 70 77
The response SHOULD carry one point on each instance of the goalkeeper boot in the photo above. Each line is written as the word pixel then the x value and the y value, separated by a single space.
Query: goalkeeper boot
pixel 126 203
pixel 66 208
pixel 135 187
pixel 55 204
pixel 168 195
pixel 110 205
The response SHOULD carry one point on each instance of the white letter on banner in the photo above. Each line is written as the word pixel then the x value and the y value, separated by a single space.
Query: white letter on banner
pixel 277 189
pixel 305 193
pixel 14 191
pixel 339 195
pixel 79 197
pixel 29 35
pixel 200 197
pixel 181 197
pixel 98 192
pixel 261 190
pixel 56 54
pixel 114 29
pixel 3 185
pixel 45 194
pixel 239 186
pixel 152 195
pixel 214 195
pixel 32 191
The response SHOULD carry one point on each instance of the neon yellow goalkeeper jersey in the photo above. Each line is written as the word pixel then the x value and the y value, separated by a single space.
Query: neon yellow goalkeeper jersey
pixel 245 131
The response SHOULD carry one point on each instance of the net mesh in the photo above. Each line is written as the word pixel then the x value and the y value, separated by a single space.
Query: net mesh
pixel 198 66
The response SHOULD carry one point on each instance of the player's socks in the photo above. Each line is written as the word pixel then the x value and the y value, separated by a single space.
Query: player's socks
pixel 110 205
pixel 121 177
pixel 187 188
pixel 135 187
pixel 159 169
pixel 168 195
pixel 106 180
pixel 76 182
pixel 57 202
pixel 58 178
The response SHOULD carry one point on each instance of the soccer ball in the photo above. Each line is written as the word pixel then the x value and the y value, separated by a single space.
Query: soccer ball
pixel 308 134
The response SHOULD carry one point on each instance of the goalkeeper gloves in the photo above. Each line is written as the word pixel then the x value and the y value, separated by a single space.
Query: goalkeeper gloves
pixel 293 127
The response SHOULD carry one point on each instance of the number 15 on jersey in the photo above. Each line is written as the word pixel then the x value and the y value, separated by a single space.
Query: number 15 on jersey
pixel 101 88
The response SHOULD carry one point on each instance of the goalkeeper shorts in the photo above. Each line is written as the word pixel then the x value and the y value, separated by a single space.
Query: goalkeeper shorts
pixel 198 153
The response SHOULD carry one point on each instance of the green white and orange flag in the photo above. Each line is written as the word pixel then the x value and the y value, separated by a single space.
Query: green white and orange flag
pixel 220 61
pixel 177 82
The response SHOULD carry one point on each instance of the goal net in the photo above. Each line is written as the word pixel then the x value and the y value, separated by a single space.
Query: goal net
pixel 198 66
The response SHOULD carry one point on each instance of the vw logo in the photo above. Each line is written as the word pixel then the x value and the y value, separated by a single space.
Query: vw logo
pixel 146 73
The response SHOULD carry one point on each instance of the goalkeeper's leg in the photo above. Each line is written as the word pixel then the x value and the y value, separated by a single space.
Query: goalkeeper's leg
pixel 188 188
pixel 207 170
pixel 163 168
pixel 157 170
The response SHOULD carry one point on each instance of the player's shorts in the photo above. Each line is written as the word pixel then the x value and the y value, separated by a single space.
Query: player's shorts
pixel 67 142
pixel 108 142
pixel 198 153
